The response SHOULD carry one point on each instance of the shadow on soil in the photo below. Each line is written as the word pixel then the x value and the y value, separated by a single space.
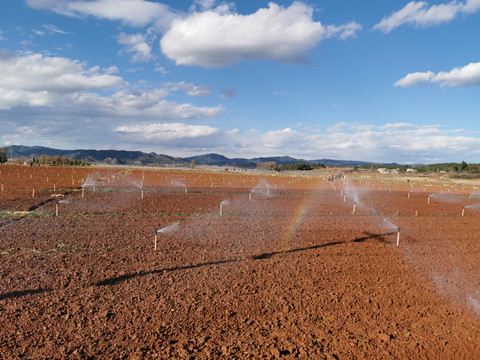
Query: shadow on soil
pixel 115 280
pixel 118 279
pixel 379 237
pixel 16 294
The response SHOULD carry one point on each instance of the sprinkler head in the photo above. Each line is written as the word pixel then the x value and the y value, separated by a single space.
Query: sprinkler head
pixel 398 229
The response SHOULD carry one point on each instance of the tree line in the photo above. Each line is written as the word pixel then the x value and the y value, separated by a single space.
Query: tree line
pixel 55 160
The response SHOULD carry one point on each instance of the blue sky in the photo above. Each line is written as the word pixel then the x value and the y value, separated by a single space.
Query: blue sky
pixel 377 81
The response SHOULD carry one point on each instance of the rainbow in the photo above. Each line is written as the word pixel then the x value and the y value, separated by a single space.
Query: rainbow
pixel 297 219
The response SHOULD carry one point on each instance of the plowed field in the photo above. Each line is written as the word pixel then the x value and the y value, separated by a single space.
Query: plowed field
pixel 294 267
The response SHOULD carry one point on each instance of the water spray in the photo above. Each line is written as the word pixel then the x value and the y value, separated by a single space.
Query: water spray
pixel 166 230
pixel 224 202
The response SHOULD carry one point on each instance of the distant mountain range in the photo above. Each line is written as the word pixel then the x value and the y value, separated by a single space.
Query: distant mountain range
pixel 124 157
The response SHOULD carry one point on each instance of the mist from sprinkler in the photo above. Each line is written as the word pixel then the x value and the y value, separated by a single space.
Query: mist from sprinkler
pixel 88 183
pixel 177 183
pixel 261 188
pixel 224 202
pixel 450 198
pixel 475 206
pixel 474 301
pixel 166 230
pixel 140 186
pixel 474 194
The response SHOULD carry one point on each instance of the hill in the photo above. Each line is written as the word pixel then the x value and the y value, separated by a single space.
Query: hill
pixel 139 158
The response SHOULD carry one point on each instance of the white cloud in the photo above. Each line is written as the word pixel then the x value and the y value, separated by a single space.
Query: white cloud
pixel 61 101
pixel 467 75
pixel 35 80
pixel 217 39
pixel 189 88
pixel 417 13
pixel 162 70
pixel 54 29
pixel 170 133
pixel 137 13
pixel 139 45
pixel 1 36
pixel 401 142
pixel 343 31
pixel 415 78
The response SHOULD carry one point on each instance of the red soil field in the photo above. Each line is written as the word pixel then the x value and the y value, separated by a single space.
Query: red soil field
pixel 288 271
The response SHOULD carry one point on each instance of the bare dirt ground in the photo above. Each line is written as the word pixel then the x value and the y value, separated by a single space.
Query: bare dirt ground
pixel 288 270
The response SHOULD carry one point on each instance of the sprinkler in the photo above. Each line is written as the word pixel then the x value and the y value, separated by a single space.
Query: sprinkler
pixel 142 194
pixel 428 201
pixel 354 206
pixel 56 209
pixel 345 197
pixel 463 211
pixel 398 235
pixel 185 189
pixel 166 230
pixel 83 192
pixel 409 195
pixel 33 193
pixel 224 202
pixel 250 196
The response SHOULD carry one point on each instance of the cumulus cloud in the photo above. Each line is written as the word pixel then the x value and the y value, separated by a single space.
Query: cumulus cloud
pixel 415 78
pixel 419 14
pixel 148 105
pixel 58 98
pixel 171 133
pixel 189 88
pixel 401 142
pixel 139 45
pixel 467 75
pixel 137 13
pixel 35 80
pixel 217 38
